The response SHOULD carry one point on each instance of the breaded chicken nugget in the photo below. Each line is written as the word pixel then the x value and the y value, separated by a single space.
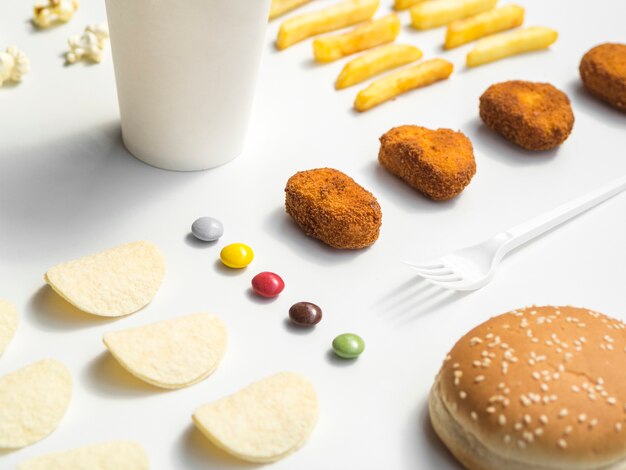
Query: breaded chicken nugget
pixel 603 72
pixel 439 164
pixel 535 116
pixel 328 205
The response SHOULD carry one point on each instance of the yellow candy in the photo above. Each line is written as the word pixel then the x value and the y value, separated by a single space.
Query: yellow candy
pixel 237 255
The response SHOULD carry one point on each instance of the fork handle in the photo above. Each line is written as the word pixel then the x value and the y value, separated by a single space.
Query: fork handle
pixel 526 231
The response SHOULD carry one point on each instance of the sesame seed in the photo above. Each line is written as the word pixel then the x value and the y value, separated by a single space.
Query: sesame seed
pixel 474 416
pixel 479 378
pixel 544 387
pixel 527 419
pixel 528 436
pixel 611 400
pixel 456 365
pixel 491 409
pixel 543 419
pixel 507 438
pixel 489 335
pixel 501 385
pixel 525 401
pixel 476 363
pixel 618 427
pixel 521 444
pixel 536 375
pixel 538 431
pixel 462 395
pixel 568 429
pixel 582 418
pixel 563 413
pixel 575 388
pixel 593 422
pixel 458 373
pixel 502 420
pixel 475 340
pixel 518 426
pixel 562 443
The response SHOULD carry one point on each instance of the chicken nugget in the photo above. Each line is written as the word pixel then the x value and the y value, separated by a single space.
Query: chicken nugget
pixel 603 72
pixel 330 206
pixel 438 163
pixel 535 116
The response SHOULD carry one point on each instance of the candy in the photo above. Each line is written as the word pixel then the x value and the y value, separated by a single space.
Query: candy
pixel 55 11
pixel 305 314
pixel 348 345
pixel 237 255
pixel 268 284
pixel 207 229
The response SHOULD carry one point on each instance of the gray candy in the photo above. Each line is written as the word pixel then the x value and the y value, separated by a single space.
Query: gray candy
pixel 207 229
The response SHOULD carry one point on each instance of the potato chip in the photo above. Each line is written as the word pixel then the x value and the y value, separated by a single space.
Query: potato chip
pixel 33 400
pixel 8 324
pixel 112 283
pixel 173 353
pixel 263 422
pixel 113 455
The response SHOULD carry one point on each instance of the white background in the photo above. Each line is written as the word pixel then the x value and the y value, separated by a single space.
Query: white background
pixel 68 188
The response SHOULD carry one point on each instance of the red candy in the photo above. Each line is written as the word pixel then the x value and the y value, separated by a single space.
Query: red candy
pixel 267 284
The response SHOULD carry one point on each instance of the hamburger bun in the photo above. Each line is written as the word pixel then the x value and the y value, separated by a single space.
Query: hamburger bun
pixel 540 388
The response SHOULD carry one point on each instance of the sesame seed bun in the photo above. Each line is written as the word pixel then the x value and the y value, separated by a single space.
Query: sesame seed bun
pixel 536 388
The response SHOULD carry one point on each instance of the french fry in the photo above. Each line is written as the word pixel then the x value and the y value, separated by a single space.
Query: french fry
pixel 335 17
pixel 402 81
pixel 376 61
pixel 280 7
pixel 475 27
pixel 371 34
pixel 404 4
pixel 435 13
pixel 503 45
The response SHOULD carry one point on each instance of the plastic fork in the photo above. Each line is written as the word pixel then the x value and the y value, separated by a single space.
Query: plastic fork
pixel 473 267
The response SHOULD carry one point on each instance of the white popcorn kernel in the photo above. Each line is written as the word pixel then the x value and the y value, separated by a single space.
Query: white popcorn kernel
pixel 90 45
pixel 13 65
pixel 55 11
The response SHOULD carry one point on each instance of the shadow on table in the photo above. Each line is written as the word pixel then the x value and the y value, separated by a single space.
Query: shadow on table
pixel 196 451
pixel 79 186
pixel 413 299
pixel 586 103
pixel 439 452
pixel 106 377
pixel 281 227
pixel 53 313
pixel 490 144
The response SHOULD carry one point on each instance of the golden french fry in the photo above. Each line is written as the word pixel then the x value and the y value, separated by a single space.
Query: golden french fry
pixel 371 34
pixel 329 19
pixel 280 7
pixel 503 45
pixel 404 4
pixel 376 61
pixel 475 27
pixel 402 81
pixel 435 13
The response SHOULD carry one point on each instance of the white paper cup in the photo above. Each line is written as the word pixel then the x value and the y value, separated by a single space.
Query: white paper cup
pixel 186 73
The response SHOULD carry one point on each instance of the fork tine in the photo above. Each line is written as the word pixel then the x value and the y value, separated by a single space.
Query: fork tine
pixel 443 279
pixel 435 272
pixel 425 266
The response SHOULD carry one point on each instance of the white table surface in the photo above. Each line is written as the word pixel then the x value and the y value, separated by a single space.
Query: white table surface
pixel 68 188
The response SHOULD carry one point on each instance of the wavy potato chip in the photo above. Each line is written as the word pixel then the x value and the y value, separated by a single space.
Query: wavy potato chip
pixel 173 353
pixel 263 422
pixel 33 400
pixel 113 455
pixel 8 324
pixel 112 283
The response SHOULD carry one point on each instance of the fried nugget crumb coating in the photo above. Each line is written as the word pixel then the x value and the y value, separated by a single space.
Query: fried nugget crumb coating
pixel 603 72
pixel 330 206
pixel 438 163
pixel 535 116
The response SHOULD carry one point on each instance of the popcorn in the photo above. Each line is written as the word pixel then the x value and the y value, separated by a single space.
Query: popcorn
pixel 13 64
pixel 54 11
pixel 89 45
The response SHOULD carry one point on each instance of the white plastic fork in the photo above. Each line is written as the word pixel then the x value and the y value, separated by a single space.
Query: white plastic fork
pixel 473 267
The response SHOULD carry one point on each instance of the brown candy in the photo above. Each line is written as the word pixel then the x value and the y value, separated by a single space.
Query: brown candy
pixel 305 314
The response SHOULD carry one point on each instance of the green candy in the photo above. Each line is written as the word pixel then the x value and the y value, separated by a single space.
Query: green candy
pixel 348 345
